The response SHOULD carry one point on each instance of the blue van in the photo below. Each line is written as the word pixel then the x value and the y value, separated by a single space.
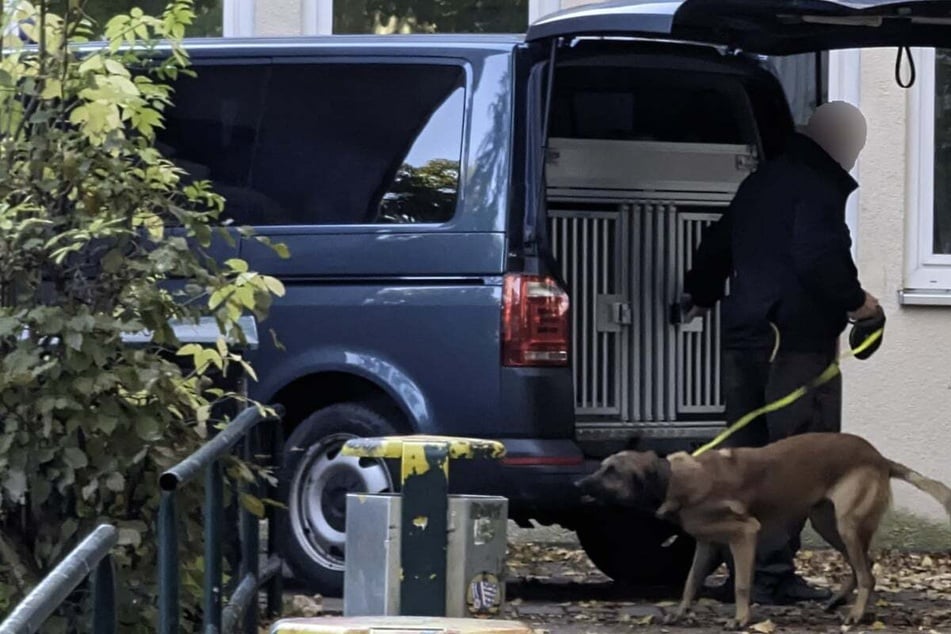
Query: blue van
pixel 487 233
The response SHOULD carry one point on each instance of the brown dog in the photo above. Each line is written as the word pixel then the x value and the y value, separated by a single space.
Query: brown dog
pixel 728 496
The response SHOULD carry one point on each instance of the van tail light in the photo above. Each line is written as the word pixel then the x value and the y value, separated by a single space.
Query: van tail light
pixel 535 326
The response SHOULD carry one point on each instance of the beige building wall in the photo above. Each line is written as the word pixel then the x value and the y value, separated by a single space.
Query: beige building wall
pixel 278 17
pixel 900 398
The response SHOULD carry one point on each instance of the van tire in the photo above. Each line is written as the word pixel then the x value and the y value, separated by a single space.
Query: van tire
pixel 628 547
pixel 312 535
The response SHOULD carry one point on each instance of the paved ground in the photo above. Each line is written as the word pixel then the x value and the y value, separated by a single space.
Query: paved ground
pixel 556 587
pixel 553 586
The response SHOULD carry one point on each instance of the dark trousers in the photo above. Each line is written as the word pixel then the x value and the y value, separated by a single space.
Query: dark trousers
pixel 749 382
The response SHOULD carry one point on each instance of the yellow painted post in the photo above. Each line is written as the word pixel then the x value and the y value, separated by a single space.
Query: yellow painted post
pixel 424 483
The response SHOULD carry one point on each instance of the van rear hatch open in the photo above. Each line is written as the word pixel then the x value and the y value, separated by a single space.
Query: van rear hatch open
pixel 772 27
pixel 628 192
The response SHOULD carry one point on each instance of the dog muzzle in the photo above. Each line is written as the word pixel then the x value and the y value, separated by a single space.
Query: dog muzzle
pixel 862 329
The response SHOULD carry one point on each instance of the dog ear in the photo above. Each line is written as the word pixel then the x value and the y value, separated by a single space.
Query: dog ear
pixel 657 478
pixel 634 442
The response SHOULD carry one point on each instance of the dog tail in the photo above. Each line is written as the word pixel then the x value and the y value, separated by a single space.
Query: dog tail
pixel 935 489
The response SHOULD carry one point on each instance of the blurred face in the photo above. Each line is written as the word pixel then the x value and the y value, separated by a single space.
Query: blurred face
pixel 840 129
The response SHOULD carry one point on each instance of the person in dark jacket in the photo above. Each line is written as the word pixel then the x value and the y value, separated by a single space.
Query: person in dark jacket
pixel 785 248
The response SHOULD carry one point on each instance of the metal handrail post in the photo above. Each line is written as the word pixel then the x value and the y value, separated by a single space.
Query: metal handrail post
pixel 243 429
pixel 275 589
pixel 250 535
pixel 213 519
pixel 168 564
pixel 104 617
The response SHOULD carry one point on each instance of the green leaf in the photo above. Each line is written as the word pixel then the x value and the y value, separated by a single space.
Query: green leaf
pixel 107 424
pixel 74 340
pixel 75 458
pixel 281 249
pixel 67 529
pixel 15 485
pixel 130 537
pixel 253 504
pixel 40 493
pixel 115 482
pixel 218 297
pixel 147 428
pixel 274 285
pixel 237 264
pixel 90 490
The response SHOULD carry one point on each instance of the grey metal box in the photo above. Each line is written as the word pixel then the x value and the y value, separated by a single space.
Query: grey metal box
pixel 475 559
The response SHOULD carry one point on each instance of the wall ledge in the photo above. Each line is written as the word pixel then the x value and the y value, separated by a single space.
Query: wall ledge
pixel 922 297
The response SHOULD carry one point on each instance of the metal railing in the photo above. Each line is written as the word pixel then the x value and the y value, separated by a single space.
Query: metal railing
pixel 242 606
pixel 91 557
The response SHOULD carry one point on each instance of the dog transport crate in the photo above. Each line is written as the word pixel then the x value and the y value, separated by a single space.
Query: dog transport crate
pixel 624 220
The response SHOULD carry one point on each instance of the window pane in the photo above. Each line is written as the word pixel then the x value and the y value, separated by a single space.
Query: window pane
pixel 620 102
pixel 208 13
pixel 942 149
pixel 426 186
pixel 430 16
pixel 211 132
pixel 354 144
pixel 323 144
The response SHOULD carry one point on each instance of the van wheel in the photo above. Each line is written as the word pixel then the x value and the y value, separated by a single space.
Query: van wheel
pixel 633 548
pixel 315 480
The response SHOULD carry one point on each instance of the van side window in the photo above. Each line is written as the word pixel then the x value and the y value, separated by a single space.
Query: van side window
pixel 211 132
pixel 318 144
pixel 426 186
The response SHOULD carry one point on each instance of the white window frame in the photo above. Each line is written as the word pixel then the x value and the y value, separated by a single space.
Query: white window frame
pixel 238 18
pixel 927 277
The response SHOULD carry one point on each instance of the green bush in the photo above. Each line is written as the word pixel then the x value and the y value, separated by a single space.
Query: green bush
pixel 99 236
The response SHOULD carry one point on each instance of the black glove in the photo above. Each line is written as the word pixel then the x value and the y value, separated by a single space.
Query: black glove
pixel 862 329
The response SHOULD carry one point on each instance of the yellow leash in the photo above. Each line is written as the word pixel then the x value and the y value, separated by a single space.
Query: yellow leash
pixel 827 375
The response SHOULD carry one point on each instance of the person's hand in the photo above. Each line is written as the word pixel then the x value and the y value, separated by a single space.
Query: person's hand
pixel 690 310
pixel 866 310
pixel 694 312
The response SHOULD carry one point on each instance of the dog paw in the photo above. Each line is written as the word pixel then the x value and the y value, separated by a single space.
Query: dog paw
pixel 735 624
pixel 832 604
pixel 672 618
pixel 852 619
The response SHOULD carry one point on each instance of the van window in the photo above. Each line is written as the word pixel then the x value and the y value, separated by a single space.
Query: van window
pixel 294 144
pixel 211 133
pixel 633 104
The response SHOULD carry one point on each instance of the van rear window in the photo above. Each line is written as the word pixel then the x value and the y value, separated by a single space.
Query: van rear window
pixel 632 104
pixel 323 143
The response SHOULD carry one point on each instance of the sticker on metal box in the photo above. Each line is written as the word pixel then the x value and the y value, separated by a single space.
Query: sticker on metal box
pixel 484 595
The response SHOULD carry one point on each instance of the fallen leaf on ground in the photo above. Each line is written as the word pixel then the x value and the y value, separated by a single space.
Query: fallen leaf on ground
pixel 764 627
pixel 913 591
pixel 304 606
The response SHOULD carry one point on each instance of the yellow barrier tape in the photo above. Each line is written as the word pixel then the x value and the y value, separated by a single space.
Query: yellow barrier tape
pixel 827 375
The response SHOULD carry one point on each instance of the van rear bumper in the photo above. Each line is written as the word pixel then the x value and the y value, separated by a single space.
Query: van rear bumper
pixel 537 476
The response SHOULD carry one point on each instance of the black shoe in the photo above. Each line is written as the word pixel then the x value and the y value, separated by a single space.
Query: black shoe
pixel 722 593
pixel 794 589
